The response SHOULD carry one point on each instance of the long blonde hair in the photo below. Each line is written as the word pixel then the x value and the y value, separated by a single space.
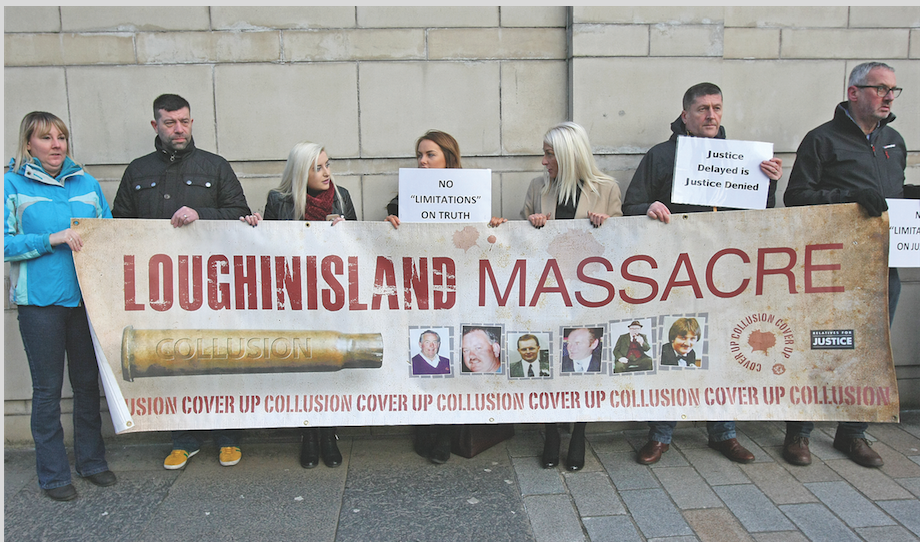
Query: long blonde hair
pixel 37 122
pixel 301 160
pixel 576 162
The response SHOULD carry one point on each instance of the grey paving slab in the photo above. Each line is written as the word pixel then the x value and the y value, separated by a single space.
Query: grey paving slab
pixel 816 472
pixel 717 526
pixel 526 443
pixel 687 488
pixel 594 494
pixel 392 494
pixel 534 479
pixel 910 422
pixel 119 512
pixel 693 435
pixel 818 523
pixel 208 501
pixel 821 445
pixel 873 483
pixel 886 534
pixel 760 456
pixel 763 433
pixel 785 536
pixel 553 517
pixel 896 437
pixel 854 509
pixel 606 443
pixel 777 484
pixel 675 539
pixel 18 471
pixel 611 529
pixel 654 513
pixel 907 512
pixel 910 484
pixel 714 467
pixel 626 473
pixel 752 508
pixel 897 465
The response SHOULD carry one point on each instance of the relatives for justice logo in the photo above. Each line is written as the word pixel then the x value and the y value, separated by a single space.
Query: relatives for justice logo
pixel 832 339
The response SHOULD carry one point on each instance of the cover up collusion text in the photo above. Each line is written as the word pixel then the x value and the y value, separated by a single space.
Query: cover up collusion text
pixel 333 282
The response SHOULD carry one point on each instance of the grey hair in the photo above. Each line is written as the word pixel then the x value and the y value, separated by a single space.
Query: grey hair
pixel 860 74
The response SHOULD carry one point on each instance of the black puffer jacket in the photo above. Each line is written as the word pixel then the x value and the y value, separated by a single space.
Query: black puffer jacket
pixel 836 159
pixel 158 184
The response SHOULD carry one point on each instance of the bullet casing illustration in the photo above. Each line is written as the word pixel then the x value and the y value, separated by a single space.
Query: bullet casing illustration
pixel 175 352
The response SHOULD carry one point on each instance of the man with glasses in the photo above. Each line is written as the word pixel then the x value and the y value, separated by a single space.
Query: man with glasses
pixel 854 158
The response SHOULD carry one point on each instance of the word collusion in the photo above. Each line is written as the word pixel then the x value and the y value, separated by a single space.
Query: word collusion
pixel 334 283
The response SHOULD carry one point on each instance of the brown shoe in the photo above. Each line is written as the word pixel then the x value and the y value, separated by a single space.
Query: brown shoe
pixel 733 450
pixel 651 452
pixel 859 450
pixel 795 450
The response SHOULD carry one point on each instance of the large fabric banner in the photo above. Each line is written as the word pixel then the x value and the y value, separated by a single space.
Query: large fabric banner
pixel 747 315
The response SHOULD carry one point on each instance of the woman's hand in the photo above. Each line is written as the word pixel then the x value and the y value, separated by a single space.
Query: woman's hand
pixel 337 219
pixel 539 220
pixel 252 220
pixel 597 219
pixel 496 221
pixel 393 219
pixel 68 237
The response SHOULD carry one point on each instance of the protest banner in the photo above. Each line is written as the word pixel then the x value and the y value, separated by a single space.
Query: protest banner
pixel 445 195
pixel 904 227
pixel 747 315
pixel 721 172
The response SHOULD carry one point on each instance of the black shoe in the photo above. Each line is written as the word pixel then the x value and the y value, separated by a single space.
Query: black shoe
pixel 440 451
pixel 327 445
pixel 551 447
pixel 105 478
pixel 576 458
pixel 424 440
pixel 63 493
pixel 309 448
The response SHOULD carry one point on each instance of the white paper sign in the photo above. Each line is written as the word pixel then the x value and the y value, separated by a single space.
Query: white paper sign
pixel 904 232
pixel 721 172
pixel 445 195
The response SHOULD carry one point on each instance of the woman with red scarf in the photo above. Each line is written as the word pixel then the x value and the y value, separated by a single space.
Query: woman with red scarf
pixel 308 192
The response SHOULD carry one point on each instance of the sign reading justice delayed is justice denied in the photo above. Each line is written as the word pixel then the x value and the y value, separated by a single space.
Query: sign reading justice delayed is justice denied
pixel 721 173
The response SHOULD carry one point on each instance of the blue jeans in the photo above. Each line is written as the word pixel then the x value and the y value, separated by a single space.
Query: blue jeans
pixel 48 332
pixel 718 431
pixel 189 441
pixel 854 429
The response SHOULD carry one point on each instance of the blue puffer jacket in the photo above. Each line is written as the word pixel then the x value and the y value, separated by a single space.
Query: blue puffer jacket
pixel 36 206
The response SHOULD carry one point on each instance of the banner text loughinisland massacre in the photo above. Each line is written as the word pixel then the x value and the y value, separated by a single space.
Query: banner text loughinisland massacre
pixel 334 282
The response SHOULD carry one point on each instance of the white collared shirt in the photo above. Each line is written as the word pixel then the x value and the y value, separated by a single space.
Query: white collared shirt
pixel 581 365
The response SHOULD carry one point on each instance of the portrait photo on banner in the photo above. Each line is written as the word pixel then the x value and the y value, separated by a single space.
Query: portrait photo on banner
pixel 431 351
pixel 636 345
pixel 583 349
pixel 481 349
pixel 529 354
pixel 684 342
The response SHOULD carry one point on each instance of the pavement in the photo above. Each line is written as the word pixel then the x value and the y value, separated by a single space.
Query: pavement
pixel 384 491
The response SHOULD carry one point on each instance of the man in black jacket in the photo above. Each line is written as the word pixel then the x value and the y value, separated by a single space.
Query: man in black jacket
pixel 855 158
pixel 182 183
pixel 649 193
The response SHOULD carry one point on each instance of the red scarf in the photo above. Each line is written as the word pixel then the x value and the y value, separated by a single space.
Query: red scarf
pixel 319 206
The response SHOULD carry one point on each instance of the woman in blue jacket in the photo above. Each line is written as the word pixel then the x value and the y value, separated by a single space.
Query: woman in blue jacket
pixel 44 189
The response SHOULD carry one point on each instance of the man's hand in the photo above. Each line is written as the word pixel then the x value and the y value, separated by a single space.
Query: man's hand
pixel 659 211
pixel 871 201
pixel 252 220
pixel 772 168
pixel 183 217
pixel 539 220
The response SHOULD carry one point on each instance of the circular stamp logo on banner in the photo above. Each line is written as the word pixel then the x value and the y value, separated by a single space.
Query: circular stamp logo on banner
pixel 762 339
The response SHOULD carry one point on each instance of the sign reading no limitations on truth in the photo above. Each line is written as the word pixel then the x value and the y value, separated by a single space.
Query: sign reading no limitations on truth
pixel 721 172
pixel 445 195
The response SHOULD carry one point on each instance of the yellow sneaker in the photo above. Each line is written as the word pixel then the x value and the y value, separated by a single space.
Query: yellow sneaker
pixel 230 455
pixel 177 459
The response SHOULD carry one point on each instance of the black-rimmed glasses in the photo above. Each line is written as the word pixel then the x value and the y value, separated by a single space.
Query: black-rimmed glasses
pixel 882 90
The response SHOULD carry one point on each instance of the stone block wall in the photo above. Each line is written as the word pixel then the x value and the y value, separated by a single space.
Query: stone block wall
pixel 367 81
